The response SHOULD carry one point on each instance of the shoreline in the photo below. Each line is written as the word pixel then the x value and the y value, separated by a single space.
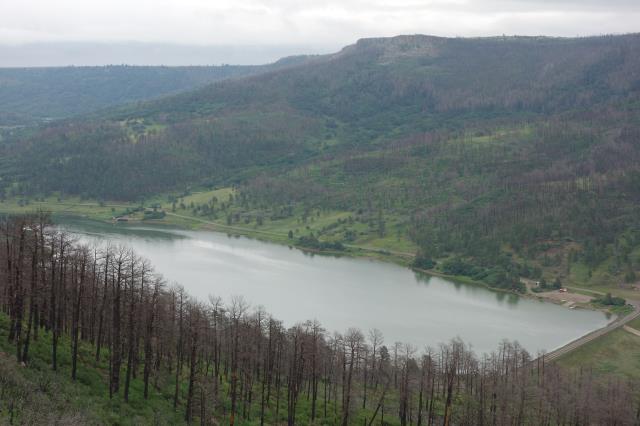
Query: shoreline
pixel 613 319
pixel 528 295
pixel 352 251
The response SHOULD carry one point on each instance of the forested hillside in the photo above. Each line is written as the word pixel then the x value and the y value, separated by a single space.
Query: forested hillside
pixel 91 335
pixel 31 95
pixel 498 150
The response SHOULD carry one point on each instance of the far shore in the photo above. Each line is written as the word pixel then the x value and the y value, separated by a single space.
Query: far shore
pixel 569 299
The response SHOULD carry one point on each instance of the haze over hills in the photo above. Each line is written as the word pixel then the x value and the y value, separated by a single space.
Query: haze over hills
pixel 442 135
pixel 32 95
pixel 62 54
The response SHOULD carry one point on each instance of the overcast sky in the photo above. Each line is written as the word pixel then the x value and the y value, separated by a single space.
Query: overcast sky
pixel 254 31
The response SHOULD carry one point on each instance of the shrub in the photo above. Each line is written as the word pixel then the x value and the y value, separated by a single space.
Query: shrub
pixel 423 262
pixel 609 300
pixel 312 242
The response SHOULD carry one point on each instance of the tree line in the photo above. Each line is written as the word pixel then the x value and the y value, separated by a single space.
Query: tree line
pixel 230 363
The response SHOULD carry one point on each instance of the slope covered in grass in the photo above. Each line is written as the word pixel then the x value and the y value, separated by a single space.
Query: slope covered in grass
pixel 513 153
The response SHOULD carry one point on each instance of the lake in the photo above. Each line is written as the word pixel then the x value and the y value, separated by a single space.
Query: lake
pixel 344 292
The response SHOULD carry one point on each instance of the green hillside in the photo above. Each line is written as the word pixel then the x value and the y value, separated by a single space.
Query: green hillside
pixel 499 157
pixel 31 95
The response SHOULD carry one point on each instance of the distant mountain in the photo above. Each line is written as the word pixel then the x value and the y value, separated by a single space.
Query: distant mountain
pixel 68 53
pixel 31 95
pixel 468 143
pixel 370 92
pixel 423 75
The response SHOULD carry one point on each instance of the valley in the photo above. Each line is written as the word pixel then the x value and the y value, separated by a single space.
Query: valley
pixel 327 289
pixel 476 201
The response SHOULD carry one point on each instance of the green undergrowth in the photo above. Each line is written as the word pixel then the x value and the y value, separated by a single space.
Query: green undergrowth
pixel 35 390
pixel 35 394
pixel 616 353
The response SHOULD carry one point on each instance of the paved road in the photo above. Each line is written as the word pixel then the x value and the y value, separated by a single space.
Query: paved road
pixel 631 330
pixel 619 322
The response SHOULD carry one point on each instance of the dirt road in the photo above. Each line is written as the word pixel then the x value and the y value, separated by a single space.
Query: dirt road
pixel 553 355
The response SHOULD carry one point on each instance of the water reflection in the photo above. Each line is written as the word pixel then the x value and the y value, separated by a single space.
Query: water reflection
pixel 100 229
pixel 471 289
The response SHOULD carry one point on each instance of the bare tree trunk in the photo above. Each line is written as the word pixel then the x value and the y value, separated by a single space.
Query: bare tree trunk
pixel 102 307
pixel 116 343
pixel 130 330
pixel 33 304
pixel 380 400
pixel 76 319
pixel 148 353
pixel 192 373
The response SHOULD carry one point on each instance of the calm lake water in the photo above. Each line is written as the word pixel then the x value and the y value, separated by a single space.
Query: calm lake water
pixel 343 292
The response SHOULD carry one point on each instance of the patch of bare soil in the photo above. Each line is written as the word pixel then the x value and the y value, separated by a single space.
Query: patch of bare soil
pixel 565 298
